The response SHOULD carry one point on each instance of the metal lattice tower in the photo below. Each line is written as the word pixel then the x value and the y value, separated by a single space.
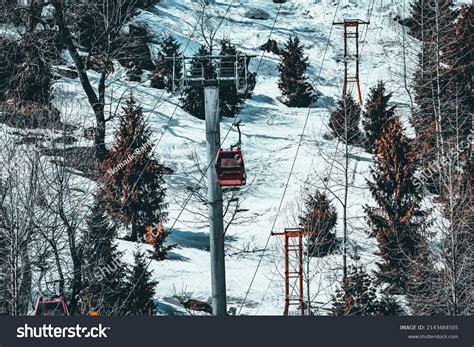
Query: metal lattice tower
pixel 293 249
pixel 351 58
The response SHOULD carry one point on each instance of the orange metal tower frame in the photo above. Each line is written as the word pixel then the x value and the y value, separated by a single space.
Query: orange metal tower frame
pixel 351 32
pixel 293 269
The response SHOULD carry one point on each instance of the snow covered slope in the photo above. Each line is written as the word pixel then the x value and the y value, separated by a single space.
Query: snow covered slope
pixel 270 141
pixel 271 135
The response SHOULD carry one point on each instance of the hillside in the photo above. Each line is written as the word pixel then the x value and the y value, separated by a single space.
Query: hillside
pixel 288 151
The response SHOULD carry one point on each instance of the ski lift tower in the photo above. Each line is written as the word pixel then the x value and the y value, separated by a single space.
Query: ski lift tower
pixel 210 73
pixel 293 249
pixel 351 59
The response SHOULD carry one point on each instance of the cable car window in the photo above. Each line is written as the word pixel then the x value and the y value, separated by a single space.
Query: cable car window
pixel 230 163
pixel 50 309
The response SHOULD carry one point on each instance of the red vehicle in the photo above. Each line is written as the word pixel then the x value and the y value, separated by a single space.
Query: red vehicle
pixel 52 307
pixel 230 168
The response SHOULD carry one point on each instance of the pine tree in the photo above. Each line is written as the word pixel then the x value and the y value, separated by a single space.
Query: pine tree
pixel 4 281
pixel 377 114
pixel 156 236
pixel 460 75
pixel 422 16
pixel 457 236
pixel 26 82
pixel 104 274
pixel 397 221
pixel 454 171
pixel 345 120
pixel 134 72
pixel 271 47
pixel 135 48
pixel 230 100
pixel 358 297
pixel 31 79
pixel 193 101
pixel 171 48
pixel 193 96
pixel 319 219
pixel 141 289
pixel 159 74
pixel 433 26
pixel 294 84
pixel 132 182
pixel 9 54
pixel 424 286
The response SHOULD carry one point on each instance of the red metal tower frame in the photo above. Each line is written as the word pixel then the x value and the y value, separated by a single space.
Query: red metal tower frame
pixel 351 32
pixel 293 272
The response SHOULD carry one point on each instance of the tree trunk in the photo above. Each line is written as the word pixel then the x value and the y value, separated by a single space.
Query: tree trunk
pixel 97 103
pixel 76 257
pixel 25 284
pixel 77 282
pixel 134 236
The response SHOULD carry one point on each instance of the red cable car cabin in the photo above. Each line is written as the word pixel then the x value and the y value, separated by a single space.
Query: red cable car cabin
pixel 230 169
pixel 53 307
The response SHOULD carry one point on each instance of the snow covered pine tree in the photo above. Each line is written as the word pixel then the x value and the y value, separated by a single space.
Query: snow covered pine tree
pixel 377 114
pixel 104 286
pixel 319 219
pixel 294 84
pixel 358 296
pixel 193 97
pixel 345 120
pixel 141 289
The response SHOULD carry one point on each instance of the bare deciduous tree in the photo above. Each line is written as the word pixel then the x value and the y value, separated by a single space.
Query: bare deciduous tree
pixel 104 48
